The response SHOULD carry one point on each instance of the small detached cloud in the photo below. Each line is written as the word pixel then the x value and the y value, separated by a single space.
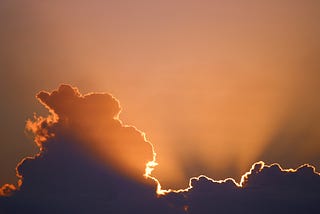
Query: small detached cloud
pixel 7 190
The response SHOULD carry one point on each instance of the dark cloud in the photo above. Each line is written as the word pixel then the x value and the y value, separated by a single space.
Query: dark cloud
pixel 93 120
pixel 67 176
pixel 264 189
pixel 64 179
pixel 89 162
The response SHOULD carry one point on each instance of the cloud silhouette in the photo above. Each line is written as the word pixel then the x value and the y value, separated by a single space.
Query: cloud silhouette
pixel 90 162
pixel 63 179
pixel 264 189
pixel 93 119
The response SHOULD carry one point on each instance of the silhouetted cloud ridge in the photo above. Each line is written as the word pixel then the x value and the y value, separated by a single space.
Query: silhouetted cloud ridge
pixel 90 162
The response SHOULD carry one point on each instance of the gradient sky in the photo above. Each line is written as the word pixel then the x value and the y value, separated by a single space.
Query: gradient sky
pixel 215 85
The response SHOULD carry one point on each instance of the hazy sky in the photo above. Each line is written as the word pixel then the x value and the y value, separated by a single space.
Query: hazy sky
pixel 215 85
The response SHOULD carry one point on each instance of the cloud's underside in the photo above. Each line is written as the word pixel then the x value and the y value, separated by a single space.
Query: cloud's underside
pixel 89 162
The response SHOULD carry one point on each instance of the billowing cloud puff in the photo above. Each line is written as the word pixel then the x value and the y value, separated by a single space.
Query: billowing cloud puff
pixel 89 162
pixel 93 120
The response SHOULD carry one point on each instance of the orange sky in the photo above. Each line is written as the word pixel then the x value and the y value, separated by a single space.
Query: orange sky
pixel 214 85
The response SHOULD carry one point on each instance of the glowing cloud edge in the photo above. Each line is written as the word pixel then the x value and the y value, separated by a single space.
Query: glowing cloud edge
pixel 9 189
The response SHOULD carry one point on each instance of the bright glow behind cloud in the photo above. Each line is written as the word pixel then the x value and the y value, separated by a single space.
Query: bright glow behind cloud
pixel 230 80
